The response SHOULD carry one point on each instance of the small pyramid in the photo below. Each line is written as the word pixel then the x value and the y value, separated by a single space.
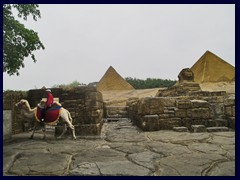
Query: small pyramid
pixel 111 80
pixel 211 68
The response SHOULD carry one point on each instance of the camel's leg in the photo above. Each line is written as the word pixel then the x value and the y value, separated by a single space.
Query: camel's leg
pixel 72 129
pixel 73 134
pixel 44 131
pixel 34 128
pixel 66 118
pixel 64 131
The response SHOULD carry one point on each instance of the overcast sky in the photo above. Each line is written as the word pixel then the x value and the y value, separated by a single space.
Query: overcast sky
pixel 139 41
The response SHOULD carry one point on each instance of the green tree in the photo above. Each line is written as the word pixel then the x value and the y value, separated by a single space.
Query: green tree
pixel 149 83
pixel 18 41
pixel 69 86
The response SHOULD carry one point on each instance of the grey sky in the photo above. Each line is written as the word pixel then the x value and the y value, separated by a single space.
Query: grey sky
pixel 139 41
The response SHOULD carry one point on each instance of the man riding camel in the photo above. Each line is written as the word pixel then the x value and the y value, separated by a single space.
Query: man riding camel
pixel 48 103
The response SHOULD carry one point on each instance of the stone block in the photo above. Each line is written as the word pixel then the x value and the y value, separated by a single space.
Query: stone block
pixel 216 99
pixel 217 129
pixel 199 104
pixel 164 116
pixel 231 122
pixel 199 113
pixel 228 111
pixel 183 104
pixel 168 124
pixel 168 111
pixel 200 93
pixel 150 123
pixel 233 111
pixel 218 93
pixel 216 123
pixel 181 113
pixel 180 129
pixel 218 108
pixel 198 128
pixel 88 129
pixel 229 101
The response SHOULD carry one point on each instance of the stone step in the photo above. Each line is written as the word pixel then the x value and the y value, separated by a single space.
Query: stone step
pixel 198 128
pixel 217 129
pixel 117 116
pixel 180 129
pixel 112 119
pixel 217 123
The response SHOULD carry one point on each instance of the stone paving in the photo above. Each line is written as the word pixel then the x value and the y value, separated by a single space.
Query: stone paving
pixel 122 150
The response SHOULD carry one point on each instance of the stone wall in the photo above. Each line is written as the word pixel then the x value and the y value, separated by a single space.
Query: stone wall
pixel 229 110
pixel 10 98
pixel 84 103
pixel 7 124
pixel 86 107
pixel 211 109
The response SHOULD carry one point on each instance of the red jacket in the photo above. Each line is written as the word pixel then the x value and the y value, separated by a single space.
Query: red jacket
pixel 49 100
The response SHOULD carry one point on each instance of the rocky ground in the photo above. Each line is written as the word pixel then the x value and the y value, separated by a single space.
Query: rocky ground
pixel 122 150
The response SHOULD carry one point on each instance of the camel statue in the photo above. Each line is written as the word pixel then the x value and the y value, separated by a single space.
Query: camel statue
pixel 27 112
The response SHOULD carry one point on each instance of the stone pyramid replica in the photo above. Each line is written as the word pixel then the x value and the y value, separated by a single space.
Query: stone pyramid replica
pixel 211 68
pixel 111 80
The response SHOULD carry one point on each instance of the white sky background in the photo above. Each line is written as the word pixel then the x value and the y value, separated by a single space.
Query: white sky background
pixel 139 41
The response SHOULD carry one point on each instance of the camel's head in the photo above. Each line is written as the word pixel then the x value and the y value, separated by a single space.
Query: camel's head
pixel 22 104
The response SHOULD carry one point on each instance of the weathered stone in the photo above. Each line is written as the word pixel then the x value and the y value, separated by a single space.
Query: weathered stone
pixel 222 169
pixel 88 129
pixel 85 169
pixel 150 122
pixel 216 122
pixel 192 164
pixel 199 113
pixel 231 121
pixel 217 129
pixel 230 101
pixel 7 124
pixel 128 147
pixel 41 164
pixel 122 168
pixel 228 111
pixel 145 159
pixel 183 104
pixel 199 104
pixel 233 111
pixel 221 139
pixel 164 116
pixel 198 128
pixel 168 149
pixel 218 108
pixel 180 129
pixel 218 93
pixel 206 148
pixel 181 113
pixel 168 124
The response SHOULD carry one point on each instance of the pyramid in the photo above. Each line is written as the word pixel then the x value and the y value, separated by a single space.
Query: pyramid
pixel 211 68
pixel 111 80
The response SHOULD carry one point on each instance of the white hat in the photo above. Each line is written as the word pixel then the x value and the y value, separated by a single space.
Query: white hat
pixel 48 90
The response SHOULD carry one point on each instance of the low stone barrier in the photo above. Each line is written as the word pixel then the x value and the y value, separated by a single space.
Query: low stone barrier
pixel 7 124
pixel 213 109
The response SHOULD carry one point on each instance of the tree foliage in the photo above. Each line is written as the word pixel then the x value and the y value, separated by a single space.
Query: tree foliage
pixel 18 41
pixel 69 86
pixel 149 83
